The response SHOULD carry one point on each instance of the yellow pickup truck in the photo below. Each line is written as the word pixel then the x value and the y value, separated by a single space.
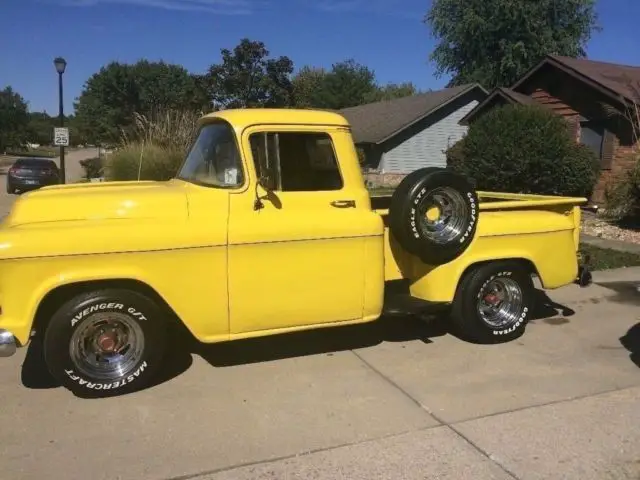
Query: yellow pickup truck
pixel 267 228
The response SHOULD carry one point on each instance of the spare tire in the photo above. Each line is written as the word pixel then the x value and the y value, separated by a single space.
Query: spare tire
pixel 434 214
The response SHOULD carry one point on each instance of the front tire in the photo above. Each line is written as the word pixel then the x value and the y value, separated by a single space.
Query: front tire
pixel 105 342
pixel 494 302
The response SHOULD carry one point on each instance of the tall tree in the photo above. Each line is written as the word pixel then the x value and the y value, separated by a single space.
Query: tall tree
pixel 14 119
pixel 392 91
pixel 246 77
pixel 307 84
pixel 494 42
pixel 348 84
pixel 111 96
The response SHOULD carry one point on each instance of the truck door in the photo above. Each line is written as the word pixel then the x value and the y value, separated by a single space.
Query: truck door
pixel 298 258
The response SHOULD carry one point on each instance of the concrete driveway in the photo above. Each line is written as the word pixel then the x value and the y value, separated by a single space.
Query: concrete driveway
pixel 74 172
pixel 398 399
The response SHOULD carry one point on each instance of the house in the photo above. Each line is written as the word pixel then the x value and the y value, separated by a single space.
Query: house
pixel 401 135
pixel 593 96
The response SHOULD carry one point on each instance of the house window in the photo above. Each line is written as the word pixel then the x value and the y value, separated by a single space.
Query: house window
pixel 296 161
pixel 592 135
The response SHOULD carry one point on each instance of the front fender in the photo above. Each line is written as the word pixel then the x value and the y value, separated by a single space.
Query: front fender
pixel 192 282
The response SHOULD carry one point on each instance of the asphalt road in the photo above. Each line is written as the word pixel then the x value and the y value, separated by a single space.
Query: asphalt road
pixel 399 399
pixel 74 172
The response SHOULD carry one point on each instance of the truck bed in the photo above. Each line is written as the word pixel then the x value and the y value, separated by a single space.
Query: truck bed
pixel 538 229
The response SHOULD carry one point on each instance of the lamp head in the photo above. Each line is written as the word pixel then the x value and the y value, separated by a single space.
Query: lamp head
pixel 61 64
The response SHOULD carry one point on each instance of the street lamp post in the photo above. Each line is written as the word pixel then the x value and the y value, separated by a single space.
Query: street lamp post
pixel 61 65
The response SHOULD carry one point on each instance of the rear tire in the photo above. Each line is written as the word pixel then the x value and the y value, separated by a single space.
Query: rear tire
pixel 434 214
pixel 105 342
pixel 493 302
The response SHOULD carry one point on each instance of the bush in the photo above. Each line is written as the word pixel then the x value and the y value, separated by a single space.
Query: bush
pixel 155 149
pixel 140 161
pixel 524 149
pixel 93 167
pixel 622 196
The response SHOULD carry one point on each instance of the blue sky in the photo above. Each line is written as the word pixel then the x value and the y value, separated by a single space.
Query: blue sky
pixel 386 35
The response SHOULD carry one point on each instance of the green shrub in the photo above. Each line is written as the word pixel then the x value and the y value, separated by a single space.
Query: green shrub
pixel 622 196
pixel 93 167
pixel 524 149
pixel 140 161
pixel 156 147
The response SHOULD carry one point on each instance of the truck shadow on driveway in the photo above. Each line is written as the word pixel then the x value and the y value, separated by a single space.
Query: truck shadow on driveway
pixel 397 328
pixel 327 341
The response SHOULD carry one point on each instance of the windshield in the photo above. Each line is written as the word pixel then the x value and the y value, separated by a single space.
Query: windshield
pixel 214 159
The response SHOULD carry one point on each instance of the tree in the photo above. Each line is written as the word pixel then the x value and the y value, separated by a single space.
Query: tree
pixel 248 78
pixel 112 96
pixel 307 83
pixel 392 91
pixel 14 119
pixel 494 42
pixel 348 84
pixel 525 149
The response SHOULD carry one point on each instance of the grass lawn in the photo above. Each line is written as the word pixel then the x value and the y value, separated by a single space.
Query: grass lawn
pixel 604 258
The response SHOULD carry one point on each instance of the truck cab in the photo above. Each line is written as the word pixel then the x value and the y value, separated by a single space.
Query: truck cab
pixel 301 229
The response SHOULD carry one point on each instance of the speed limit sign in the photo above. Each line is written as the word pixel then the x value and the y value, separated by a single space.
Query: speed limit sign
pixel 61 136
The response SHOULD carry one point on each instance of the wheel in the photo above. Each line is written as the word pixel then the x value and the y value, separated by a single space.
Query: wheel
pixel 10 189
pixel 434 214
pixel 493 302
pixel 105 342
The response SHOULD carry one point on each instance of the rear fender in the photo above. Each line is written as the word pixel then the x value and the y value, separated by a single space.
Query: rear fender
pixel 551 256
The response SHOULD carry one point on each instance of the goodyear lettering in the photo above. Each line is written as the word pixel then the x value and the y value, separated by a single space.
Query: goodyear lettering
pixel 513 328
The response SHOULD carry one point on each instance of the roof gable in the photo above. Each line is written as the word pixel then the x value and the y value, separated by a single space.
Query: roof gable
pixel 379 121
pixel 498 94
pixel 612 79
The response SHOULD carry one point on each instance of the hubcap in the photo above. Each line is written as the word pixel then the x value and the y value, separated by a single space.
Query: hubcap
pixel 107 346
pixel 500 304
pixel 444 214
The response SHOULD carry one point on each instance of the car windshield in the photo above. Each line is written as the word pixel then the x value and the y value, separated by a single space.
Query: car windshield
pixel 214 159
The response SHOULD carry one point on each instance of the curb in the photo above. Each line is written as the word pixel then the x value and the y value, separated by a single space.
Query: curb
pixel 618 245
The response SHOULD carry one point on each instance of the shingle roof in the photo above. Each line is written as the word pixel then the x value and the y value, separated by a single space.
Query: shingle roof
pixel 516 97
pixel 613 77
pixel 377 122
pixel 498 93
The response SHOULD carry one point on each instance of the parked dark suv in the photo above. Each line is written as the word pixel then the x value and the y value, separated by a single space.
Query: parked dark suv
pixel 31 173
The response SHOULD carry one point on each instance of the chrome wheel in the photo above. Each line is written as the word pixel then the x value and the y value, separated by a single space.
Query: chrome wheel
pixel 107 346
pixel 443 215
pixel 500 303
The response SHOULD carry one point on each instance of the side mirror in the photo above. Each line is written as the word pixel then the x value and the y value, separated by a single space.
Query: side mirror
pixel 267 183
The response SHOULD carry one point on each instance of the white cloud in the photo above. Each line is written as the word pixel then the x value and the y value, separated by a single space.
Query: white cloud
pixel 220 7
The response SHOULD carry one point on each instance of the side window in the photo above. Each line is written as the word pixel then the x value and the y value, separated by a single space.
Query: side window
pixel 296 161
pixel 592 135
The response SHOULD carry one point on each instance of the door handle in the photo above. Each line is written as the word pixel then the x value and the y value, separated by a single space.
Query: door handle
pixel 343 203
